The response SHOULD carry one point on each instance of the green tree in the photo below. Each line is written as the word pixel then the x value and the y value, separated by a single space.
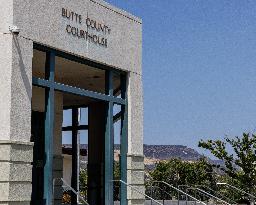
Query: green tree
pixel 177 172
pixel 83 178
pixel 116 183
pixel 239 162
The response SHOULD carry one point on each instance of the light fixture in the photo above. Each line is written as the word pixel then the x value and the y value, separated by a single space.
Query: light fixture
pixel 14 29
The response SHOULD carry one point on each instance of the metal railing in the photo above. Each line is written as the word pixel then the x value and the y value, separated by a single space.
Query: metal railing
pixel 217 194
pixel 162 191
pixel 238 189
pixel 67 187
pixel 179 191
pixel 138 191
pixel 210 195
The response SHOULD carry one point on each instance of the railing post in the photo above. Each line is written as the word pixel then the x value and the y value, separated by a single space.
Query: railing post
pixel 178 197
pixel 186 197
pixel 138 191
pixel 151 192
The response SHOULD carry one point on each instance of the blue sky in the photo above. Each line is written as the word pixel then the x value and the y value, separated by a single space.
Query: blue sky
pixel 199 68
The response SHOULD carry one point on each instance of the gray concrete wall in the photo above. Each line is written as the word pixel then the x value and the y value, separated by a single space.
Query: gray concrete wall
pixel 42 22
pixel 16 151
pixel 135 157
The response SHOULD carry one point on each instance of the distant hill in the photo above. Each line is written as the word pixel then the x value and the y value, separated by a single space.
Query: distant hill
pixel 162 152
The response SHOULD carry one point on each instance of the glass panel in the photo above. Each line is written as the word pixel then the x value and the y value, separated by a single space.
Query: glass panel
pixel 67 118
pixel 38 64
pixel 79 75
pixel 83 138
pixel 84 116
pixel 117 132
pixel 67 137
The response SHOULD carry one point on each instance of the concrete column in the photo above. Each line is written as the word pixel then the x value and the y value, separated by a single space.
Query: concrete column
pixel 96 135
pixel 135 157
pixel 16 150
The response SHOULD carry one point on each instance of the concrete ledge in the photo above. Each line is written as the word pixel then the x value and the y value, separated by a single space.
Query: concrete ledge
pixel 15 192
pixel 21 172
pixel 15 203
pixel 5 171
pixel 4 187
pixel 135 177
pixel 16 142
pixel 15 172
pixel 135 162
pixel 15 151
pixel 133 194
pixel 5 150
pixel 20 191
pixel 136 202
pixel 21 153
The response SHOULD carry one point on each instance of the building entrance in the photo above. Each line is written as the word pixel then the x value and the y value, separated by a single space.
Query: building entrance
pixel 65 82
pixel 37 136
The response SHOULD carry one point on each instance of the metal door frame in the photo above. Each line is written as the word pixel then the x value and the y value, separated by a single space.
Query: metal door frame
pixel 51 86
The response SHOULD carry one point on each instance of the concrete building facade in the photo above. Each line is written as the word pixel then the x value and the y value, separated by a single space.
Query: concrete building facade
pixel 57 55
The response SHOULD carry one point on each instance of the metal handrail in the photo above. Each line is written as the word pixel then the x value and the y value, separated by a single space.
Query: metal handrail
pixel 217 194
pixel 180 191
pixel 161 190
pixel 233 187
pixel 128 185
pixel 148 175
pixel 210 195
pixel 69 188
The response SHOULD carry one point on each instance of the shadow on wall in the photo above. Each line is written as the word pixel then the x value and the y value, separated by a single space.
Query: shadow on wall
pixel 23 73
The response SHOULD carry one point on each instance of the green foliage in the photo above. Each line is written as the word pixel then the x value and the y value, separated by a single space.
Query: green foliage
pixel 241 164
pixel 177 172
pixel 83 178
pixel 116 184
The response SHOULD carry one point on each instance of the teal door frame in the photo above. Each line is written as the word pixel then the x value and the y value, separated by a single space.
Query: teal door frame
pixel 49 129
pixel 50 86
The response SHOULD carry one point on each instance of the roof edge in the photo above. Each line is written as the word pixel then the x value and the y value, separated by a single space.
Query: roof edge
pixel 117 10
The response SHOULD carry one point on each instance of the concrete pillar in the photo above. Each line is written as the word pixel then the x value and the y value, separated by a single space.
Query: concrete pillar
pixel 135 157
pixel 16 150
pixel 96 135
